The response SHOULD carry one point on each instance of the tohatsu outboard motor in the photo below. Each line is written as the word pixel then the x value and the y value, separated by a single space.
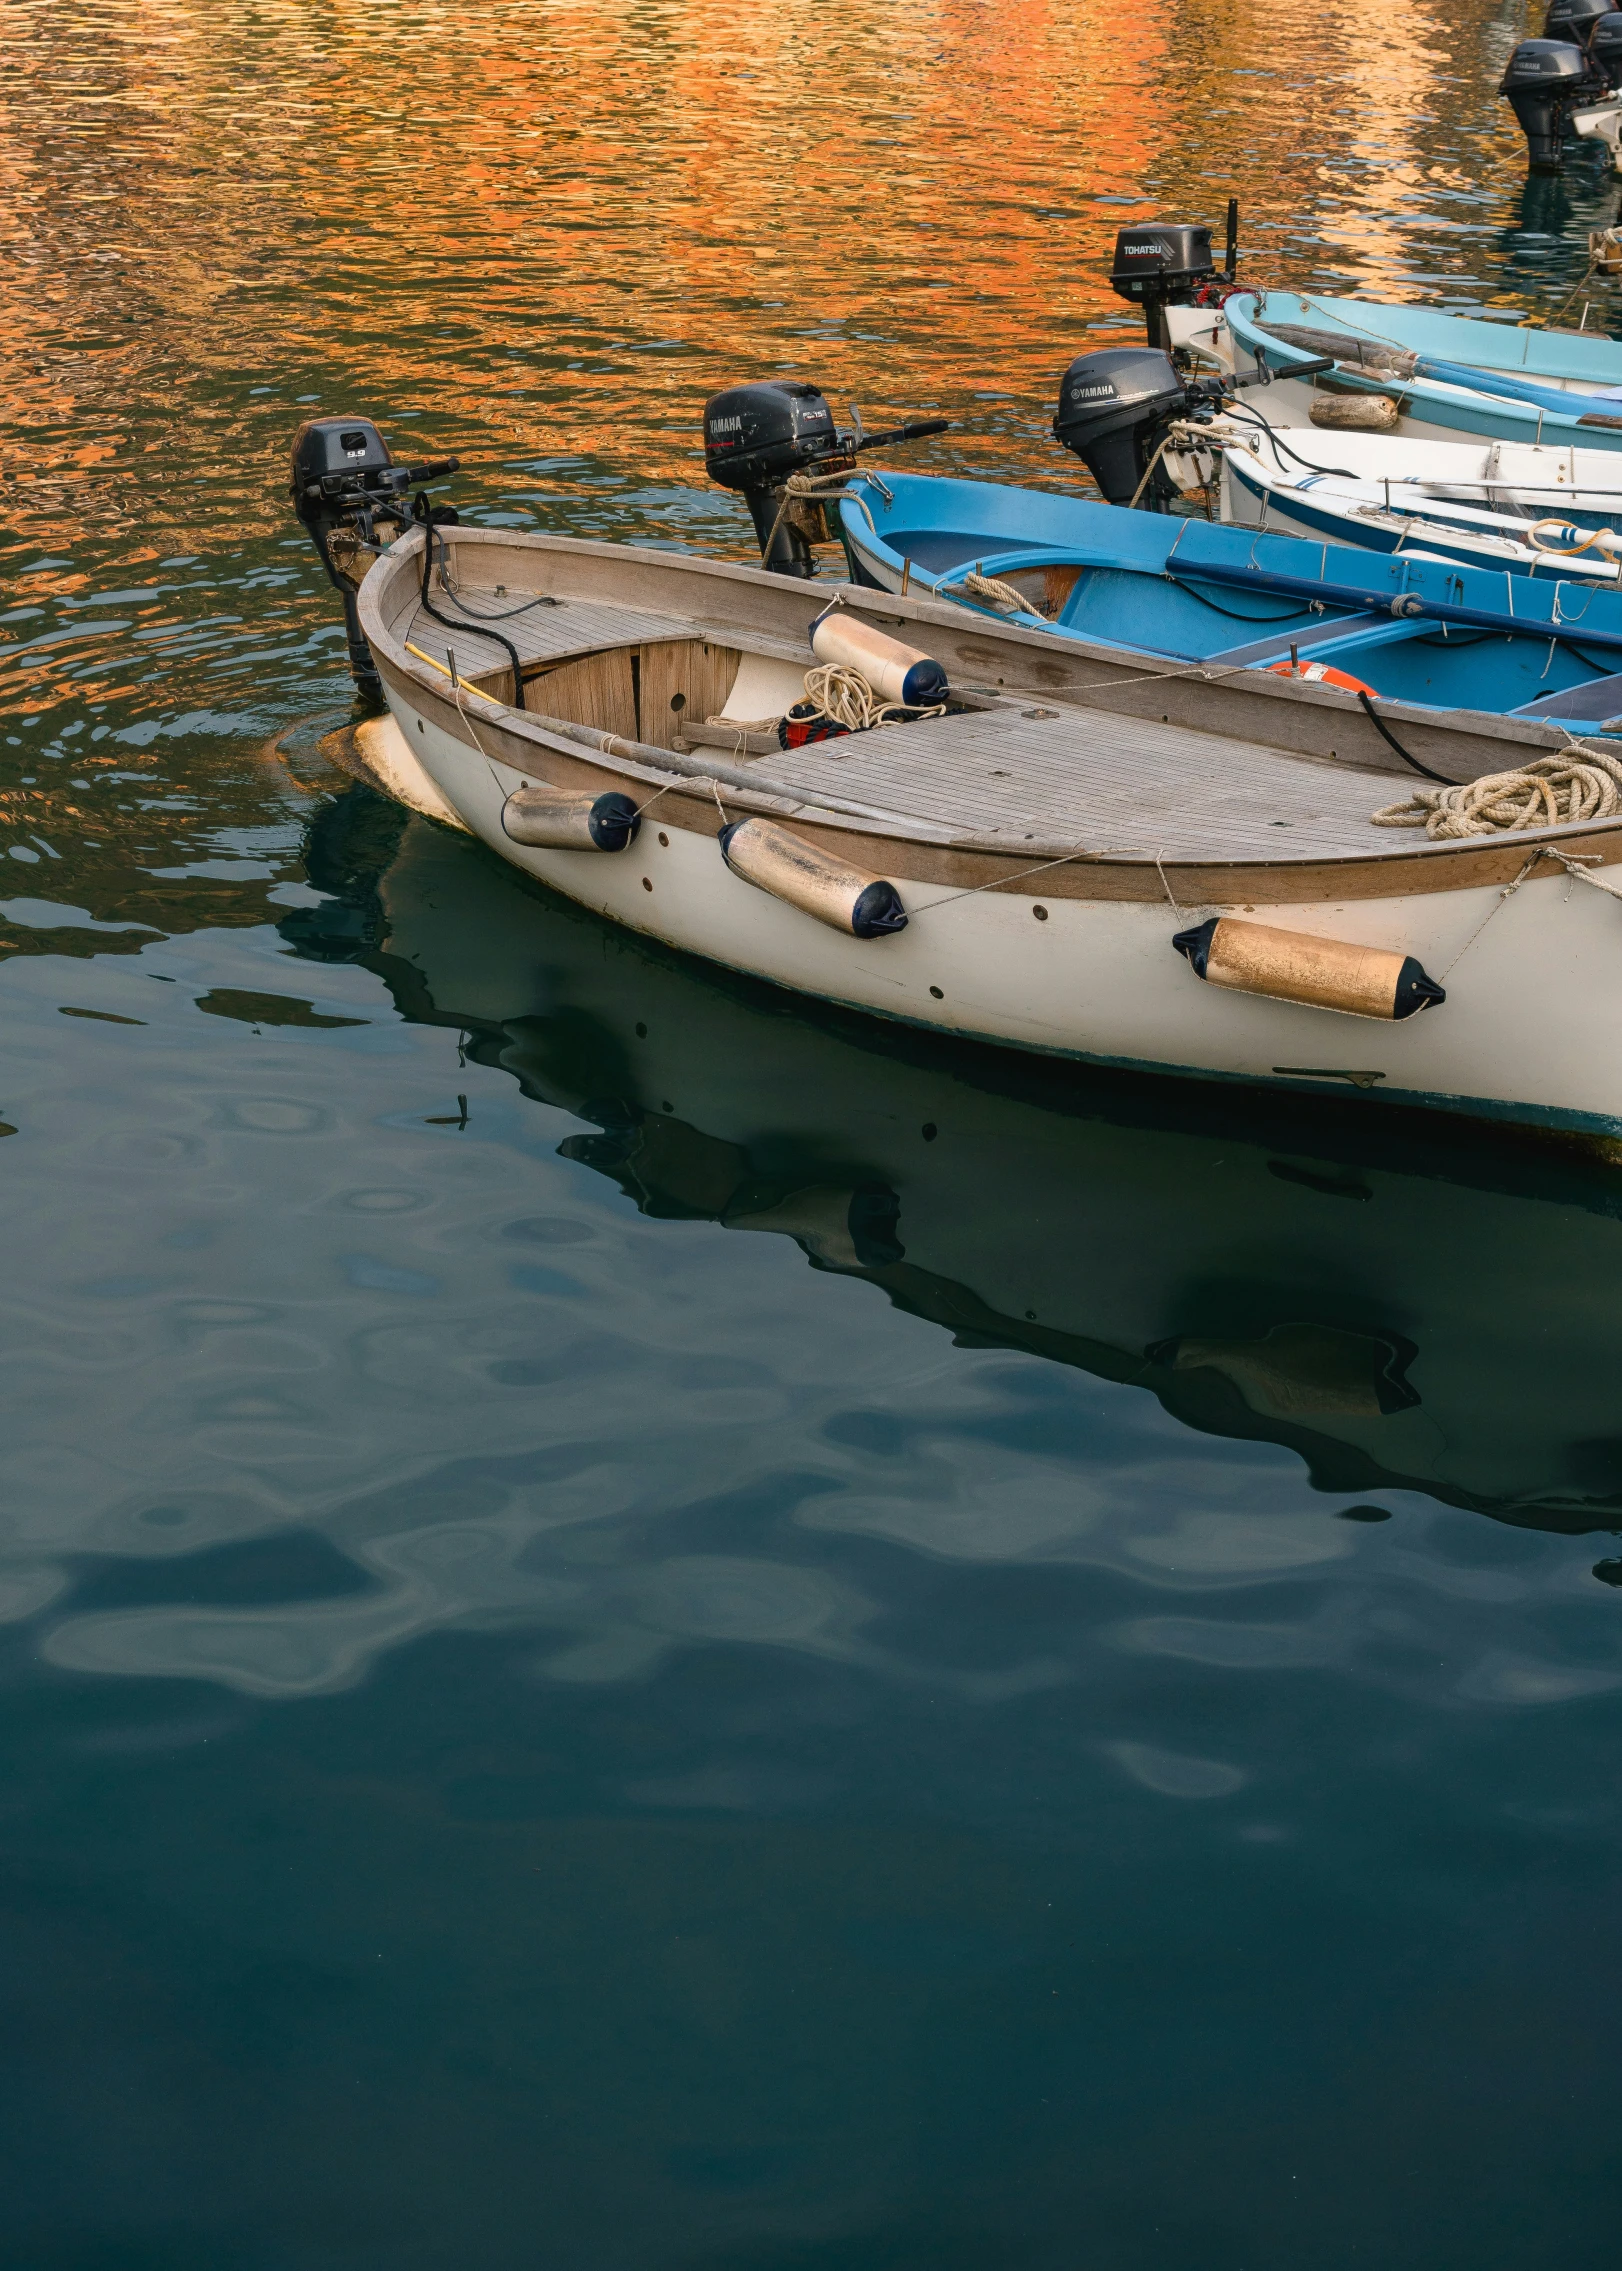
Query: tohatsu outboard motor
pixel 757 437
pixel 1160 266
pixel 345 479
pixel 1546 80
pixel 1163 264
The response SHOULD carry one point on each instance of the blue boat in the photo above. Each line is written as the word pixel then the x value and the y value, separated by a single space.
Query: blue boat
pixel 1449 376
pixel 1406 628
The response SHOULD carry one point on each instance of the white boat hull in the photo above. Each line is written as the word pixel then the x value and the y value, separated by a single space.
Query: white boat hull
pixel 1527 1034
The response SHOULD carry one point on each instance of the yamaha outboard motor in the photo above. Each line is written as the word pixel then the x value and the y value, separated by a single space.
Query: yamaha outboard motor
pixel 1575 19
pixel 757 437
pixel 1545 81
pixel 345 477
pixel 754 438
pixel 1605 49
pixel 1115 407
pixel 1111 405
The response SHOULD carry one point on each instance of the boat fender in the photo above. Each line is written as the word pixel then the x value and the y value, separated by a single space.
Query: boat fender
pixel 895 673
pixel 774 859
pixel 1325 973
pixel 556 820
pixel 1321 674
pixel 1354 413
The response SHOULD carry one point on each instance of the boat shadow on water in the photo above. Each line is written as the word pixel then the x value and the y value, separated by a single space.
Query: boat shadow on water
pixel 1420 1307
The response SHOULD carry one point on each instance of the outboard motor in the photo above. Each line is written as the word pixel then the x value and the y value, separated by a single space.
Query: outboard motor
pixel 756 437
pixel 1111 405
pixel 1545 81
pixel 1116 404
pixel 1574 20
pixel 1605 49
pixel 345 477
pixel 1162 265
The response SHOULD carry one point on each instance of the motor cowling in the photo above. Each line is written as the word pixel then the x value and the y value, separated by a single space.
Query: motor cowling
pixel 1545 79
pixel 1111 405
pixel 754 438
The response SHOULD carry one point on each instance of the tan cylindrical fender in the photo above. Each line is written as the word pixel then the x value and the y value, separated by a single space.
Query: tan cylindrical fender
pixel 549 819
pixel 1292 965
pixel 895 673
pixel 774 859
pixel 1354 413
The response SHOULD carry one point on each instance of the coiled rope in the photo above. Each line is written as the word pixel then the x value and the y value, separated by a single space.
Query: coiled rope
pixel 1550 792
pixel 844 697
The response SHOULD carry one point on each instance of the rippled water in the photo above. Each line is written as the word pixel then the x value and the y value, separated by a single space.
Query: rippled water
pixel 644 1626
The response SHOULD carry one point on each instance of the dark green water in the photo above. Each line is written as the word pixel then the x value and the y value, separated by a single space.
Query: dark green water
pixel 646 1628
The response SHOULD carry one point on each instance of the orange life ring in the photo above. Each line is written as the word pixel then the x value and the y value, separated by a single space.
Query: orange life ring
pixel 1321 674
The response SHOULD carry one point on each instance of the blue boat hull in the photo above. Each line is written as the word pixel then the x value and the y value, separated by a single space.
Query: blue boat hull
pixel 1412 630
pixel 1507 382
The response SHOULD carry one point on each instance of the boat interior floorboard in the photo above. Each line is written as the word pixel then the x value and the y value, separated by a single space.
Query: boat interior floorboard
pixel 1104 782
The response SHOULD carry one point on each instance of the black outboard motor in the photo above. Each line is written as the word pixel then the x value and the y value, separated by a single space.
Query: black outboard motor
pixel 755 437
pixel 1575 19
pixel 1166 264
pixel 1111 405
pixel 344 476
pixel 1605 49
pixel 1115 406
pixel 1545 82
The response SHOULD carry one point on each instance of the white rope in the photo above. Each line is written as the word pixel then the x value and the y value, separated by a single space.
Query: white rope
pixel 1548 792
pixel 1577 868
pixel 844 697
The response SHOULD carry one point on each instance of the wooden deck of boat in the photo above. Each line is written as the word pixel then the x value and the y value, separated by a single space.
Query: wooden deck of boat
pixel 1020 774
pixel 1103 784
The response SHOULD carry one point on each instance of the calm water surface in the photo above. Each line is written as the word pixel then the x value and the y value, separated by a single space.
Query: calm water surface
pixel 645 1627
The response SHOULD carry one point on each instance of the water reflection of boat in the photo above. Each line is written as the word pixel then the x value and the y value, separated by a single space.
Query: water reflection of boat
pixel 1419 1308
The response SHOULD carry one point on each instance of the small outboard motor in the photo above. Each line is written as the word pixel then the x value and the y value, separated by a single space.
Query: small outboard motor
pixel 756 437
pixel 1545 81
pixel 345 476
pixel 1574 20
pixel 1605 49
pixel 1162 264
pixel 1116 404
pixel 1110 406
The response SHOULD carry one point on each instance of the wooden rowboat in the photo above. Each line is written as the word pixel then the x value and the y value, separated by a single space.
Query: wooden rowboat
pixel 1070 815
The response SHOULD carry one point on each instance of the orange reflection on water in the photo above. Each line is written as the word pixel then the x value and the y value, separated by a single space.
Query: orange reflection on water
pixel 549 232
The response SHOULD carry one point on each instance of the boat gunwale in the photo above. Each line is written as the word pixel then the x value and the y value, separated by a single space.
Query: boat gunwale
pixel 1069 870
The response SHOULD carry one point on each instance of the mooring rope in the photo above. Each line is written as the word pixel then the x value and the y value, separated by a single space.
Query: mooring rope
pixel 995 592
pixel 824 488
pixel 1549 792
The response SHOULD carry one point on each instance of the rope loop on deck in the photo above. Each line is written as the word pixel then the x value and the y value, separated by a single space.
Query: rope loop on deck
pixel 843 696
pixel 1549 792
